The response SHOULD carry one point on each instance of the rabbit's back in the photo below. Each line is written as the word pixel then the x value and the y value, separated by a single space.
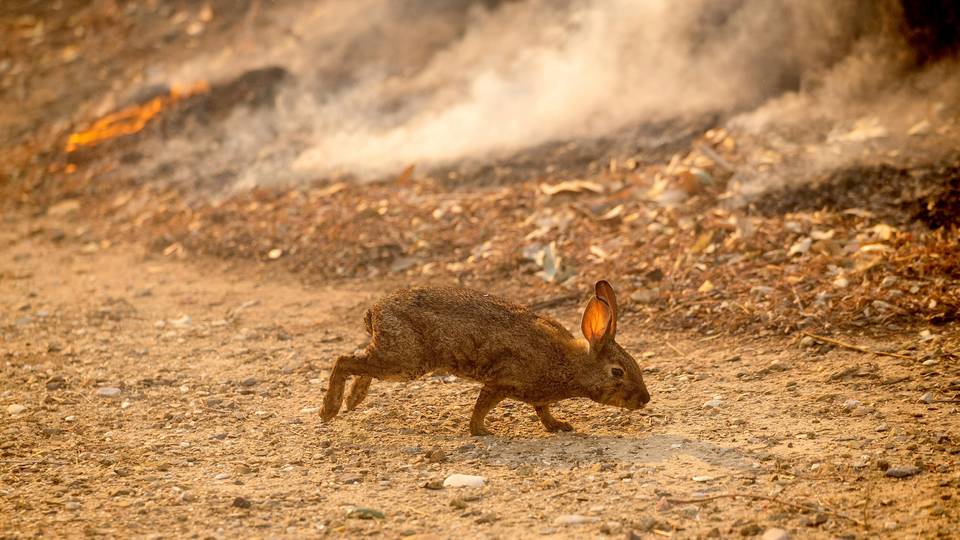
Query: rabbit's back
pixel 469 332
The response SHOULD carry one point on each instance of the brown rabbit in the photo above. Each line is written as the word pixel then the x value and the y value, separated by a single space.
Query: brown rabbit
pixel 513 351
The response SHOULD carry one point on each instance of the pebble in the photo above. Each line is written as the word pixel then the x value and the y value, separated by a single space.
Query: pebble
pixel 72 505
pixel 815 521
pixel 240 502
pixel 902 472
pixel 574 519
pixel 249 381
pixel 55 383
pixel 108 391
pixel 310 410
pixel 751 530
pixel 611 527
pixel 775 533
pixel 714 403
pixel 464 480
pixel 365 513
pixel 181 322
pixel 850 404
pixel 15 408
pixel 931 362
pixel 927 398
pixel 807 342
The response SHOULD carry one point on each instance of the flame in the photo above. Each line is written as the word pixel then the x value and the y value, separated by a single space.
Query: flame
pixel 132 119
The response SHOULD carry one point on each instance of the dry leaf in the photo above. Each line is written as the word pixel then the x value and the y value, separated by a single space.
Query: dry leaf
pixel 572 186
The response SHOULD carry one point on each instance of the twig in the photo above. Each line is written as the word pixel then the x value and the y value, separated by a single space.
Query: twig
pixel 946 401
pixel 770 499
pixel 555 301
pixel 715 157
pixel 678 351
pixel 853 347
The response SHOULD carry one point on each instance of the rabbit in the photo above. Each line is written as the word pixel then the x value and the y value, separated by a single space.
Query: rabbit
pixel 514 352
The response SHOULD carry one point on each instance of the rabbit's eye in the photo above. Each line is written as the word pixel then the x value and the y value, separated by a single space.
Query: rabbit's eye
pixel 616 372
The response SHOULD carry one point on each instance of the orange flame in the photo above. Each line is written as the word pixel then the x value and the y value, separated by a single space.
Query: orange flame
pixel 132 119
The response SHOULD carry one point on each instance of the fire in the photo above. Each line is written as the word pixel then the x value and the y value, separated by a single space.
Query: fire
pixel 132 119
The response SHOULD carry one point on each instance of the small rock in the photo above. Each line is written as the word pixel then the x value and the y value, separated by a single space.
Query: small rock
pixel 310 410
pixel 464 480
pixel 644 296
pixel 775 533
pixel 15 408
pixel 488 517
pixel 71 505
pixel 458 503
pixel 181 322
pixel 751 529
pixel 902 472
pixel 938 510
pixel 249 381
pixel 240 502
pixel 365 513
pixel 351 479
pixel 434 484
pixel 574 519
pixel 108 391
pixel 816 521
pixel 850 404
pixel 611 527
pixel 55 383
pixel 927 398
pixel 807 342
pixel 436 455
pixel 714 403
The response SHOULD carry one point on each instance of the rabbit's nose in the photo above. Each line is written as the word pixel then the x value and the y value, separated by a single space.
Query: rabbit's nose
pixel 644 396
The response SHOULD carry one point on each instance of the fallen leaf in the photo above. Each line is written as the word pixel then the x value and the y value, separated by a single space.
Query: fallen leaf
pixel 572 186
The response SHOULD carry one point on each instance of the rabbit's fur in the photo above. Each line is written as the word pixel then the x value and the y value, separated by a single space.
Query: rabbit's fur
pixel 514 352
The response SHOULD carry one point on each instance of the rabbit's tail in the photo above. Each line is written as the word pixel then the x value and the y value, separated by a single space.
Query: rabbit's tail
pixel 368 321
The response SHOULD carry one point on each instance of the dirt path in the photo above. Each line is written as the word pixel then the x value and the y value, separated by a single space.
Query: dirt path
pixel 215 429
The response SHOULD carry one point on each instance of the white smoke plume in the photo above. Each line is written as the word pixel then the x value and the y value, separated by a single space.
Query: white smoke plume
pixel 377 85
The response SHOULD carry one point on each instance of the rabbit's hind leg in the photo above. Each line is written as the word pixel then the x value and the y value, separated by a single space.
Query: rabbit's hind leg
pixel 358 391
pixel 346 366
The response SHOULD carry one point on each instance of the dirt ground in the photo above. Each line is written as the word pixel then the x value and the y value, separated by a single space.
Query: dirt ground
pixel 165 342
pixel 215 431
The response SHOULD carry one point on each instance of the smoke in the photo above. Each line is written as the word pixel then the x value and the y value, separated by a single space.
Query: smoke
pixel 377 85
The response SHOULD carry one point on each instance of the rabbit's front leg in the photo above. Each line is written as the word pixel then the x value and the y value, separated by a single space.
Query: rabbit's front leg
pixel 549 422
pixel 487 400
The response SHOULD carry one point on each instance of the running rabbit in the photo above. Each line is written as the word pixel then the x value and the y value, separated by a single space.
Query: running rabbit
pixel 513 351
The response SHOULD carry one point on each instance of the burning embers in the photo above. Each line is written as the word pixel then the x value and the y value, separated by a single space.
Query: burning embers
pixel 132 119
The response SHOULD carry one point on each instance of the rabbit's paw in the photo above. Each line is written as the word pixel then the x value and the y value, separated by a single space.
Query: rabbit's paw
pixel 559 425
pixel 480 431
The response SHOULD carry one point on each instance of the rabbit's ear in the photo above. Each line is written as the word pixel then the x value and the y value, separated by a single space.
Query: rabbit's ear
pixel 596 323
pixel 605 293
